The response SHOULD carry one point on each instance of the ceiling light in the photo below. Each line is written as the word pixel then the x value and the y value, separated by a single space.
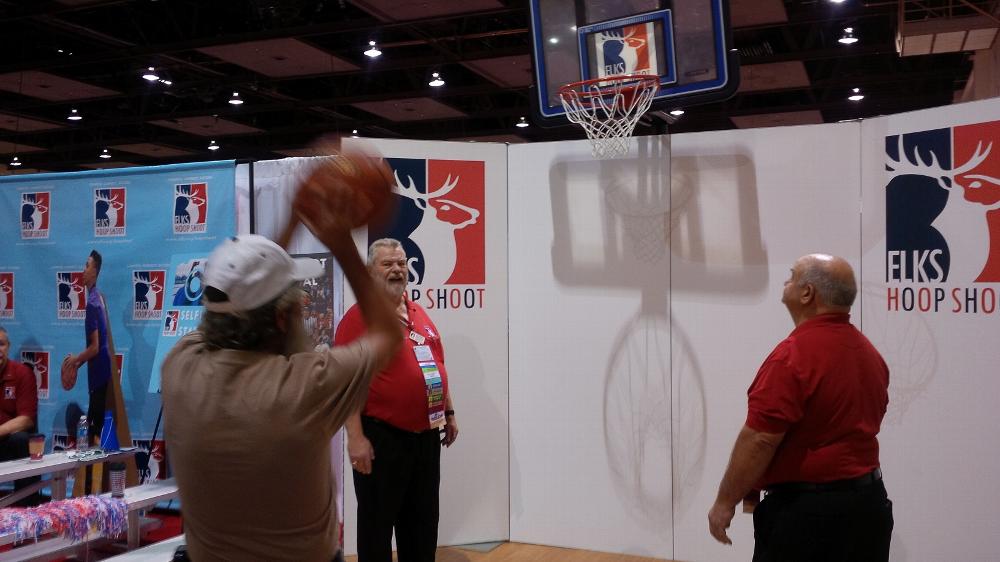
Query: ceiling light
pixel 373 51
pixel 150 75
pixel 105 154
pixel 213 146
pixel 166 82
pixel 836 1
pixel 15 162
pixel 857 95
pixel 436 80
pixel 677 112
pixel 522 123
pixel 848 37
pixel 553 40
pixel 74 115
pixel 235 100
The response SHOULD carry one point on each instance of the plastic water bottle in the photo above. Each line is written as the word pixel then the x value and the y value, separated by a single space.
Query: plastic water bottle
pixel 82 435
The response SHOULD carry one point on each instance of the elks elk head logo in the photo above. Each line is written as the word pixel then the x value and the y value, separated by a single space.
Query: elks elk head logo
pixel 71 295
pixel 35 209
pixel 38 362
pixel 190 208
pixel 440 220
pixel 147 294
pixel 943 205
pixel 6 294
pixel 109 211
pixel 170 323
pixel 627 50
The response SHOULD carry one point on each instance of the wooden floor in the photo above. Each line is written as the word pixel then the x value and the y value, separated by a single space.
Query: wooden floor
pixel 516 552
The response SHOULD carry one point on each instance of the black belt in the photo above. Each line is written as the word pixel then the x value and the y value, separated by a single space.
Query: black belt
pixel 837 485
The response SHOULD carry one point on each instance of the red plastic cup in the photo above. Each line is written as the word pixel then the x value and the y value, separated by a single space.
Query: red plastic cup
pixel 36 447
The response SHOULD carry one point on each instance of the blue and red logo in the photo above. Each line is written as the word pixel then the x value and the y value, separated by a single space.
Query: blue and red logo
pixel 109 211
pixel 441 222
pixel 627 50
pixel 147 294
pixel 71 295
pixel 943 217
pixel 173 318
pixel 190 208
pixel 35 213
pixel 6 294
pixel 38 362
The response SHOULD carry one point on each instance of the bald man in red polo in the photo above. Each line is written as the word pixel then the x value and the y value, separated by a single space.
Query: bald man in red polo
pixel 815 409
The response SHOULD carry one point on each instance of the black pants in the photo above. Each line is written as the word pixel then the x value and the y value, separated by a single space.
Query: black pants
pixel 95 412
pixel 400 492
pixel 13 447
pixel 853 525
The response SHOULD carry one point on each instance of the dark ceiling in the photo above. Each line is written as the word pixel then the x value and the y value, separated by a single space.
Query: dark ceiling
pixel 299 67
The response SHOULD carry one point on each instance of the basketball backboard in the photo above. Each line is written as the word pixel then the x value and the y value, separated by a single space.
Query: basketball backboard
pixel 685 42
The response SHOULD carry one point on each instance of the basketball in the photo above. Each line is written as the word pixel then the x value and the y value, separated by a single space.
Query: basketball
pixel 351 189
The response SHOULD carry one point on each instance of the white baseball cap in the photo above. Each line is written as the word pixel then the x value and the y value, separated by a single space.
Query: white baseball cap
pixel 252 271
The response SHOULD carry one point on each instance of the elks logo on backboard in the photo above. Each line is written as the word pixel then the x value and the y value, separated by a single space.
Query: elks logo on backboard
pixel 109 211
pixel 35 213
pixel 943 219
pixel 190 208
pixel 6 294
pixel 441 222
pixel 38 362
pixel 71 295
pixel 147 294
pixel 626 50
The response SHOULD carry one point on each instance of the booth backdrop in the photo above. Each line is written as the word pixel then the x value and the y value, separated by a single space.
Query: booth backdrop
pixel 138 219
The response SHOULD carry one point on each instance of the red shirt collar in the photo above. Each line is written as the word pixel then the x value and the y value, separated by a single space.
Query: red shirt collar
pixel 823 320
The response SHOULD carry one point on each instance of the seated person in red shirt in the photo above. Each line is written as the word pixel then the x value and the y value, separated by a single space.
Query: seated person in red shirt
pixel 18 411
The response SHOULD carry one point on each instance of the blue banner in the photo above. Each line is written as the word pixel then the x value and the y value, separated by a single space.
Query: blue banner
pixel 138 219
pixel 182 311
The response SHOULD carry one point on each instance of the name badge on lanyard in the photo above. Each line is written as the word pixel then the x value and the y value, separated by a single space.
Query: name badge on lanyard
pixel 433 383
pixel 418 339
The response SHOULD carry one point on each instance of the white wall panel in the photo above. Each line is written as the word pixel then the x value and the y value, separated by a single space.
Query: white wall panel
pixel 590 348
pixel 746 205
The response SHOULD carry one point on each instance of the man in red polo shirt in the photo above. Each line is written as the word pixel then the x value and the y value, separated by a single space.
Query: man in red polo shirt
pixel 395 441
pixel 18 412
pixel 809 440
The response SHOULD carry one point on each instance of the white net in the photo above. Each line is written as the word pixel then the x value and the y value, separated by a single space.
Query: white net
pixel 608 109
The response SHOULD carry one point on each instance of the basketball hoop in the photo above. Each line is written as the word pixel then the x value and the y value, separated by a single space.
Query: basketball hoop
pixel 608 109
